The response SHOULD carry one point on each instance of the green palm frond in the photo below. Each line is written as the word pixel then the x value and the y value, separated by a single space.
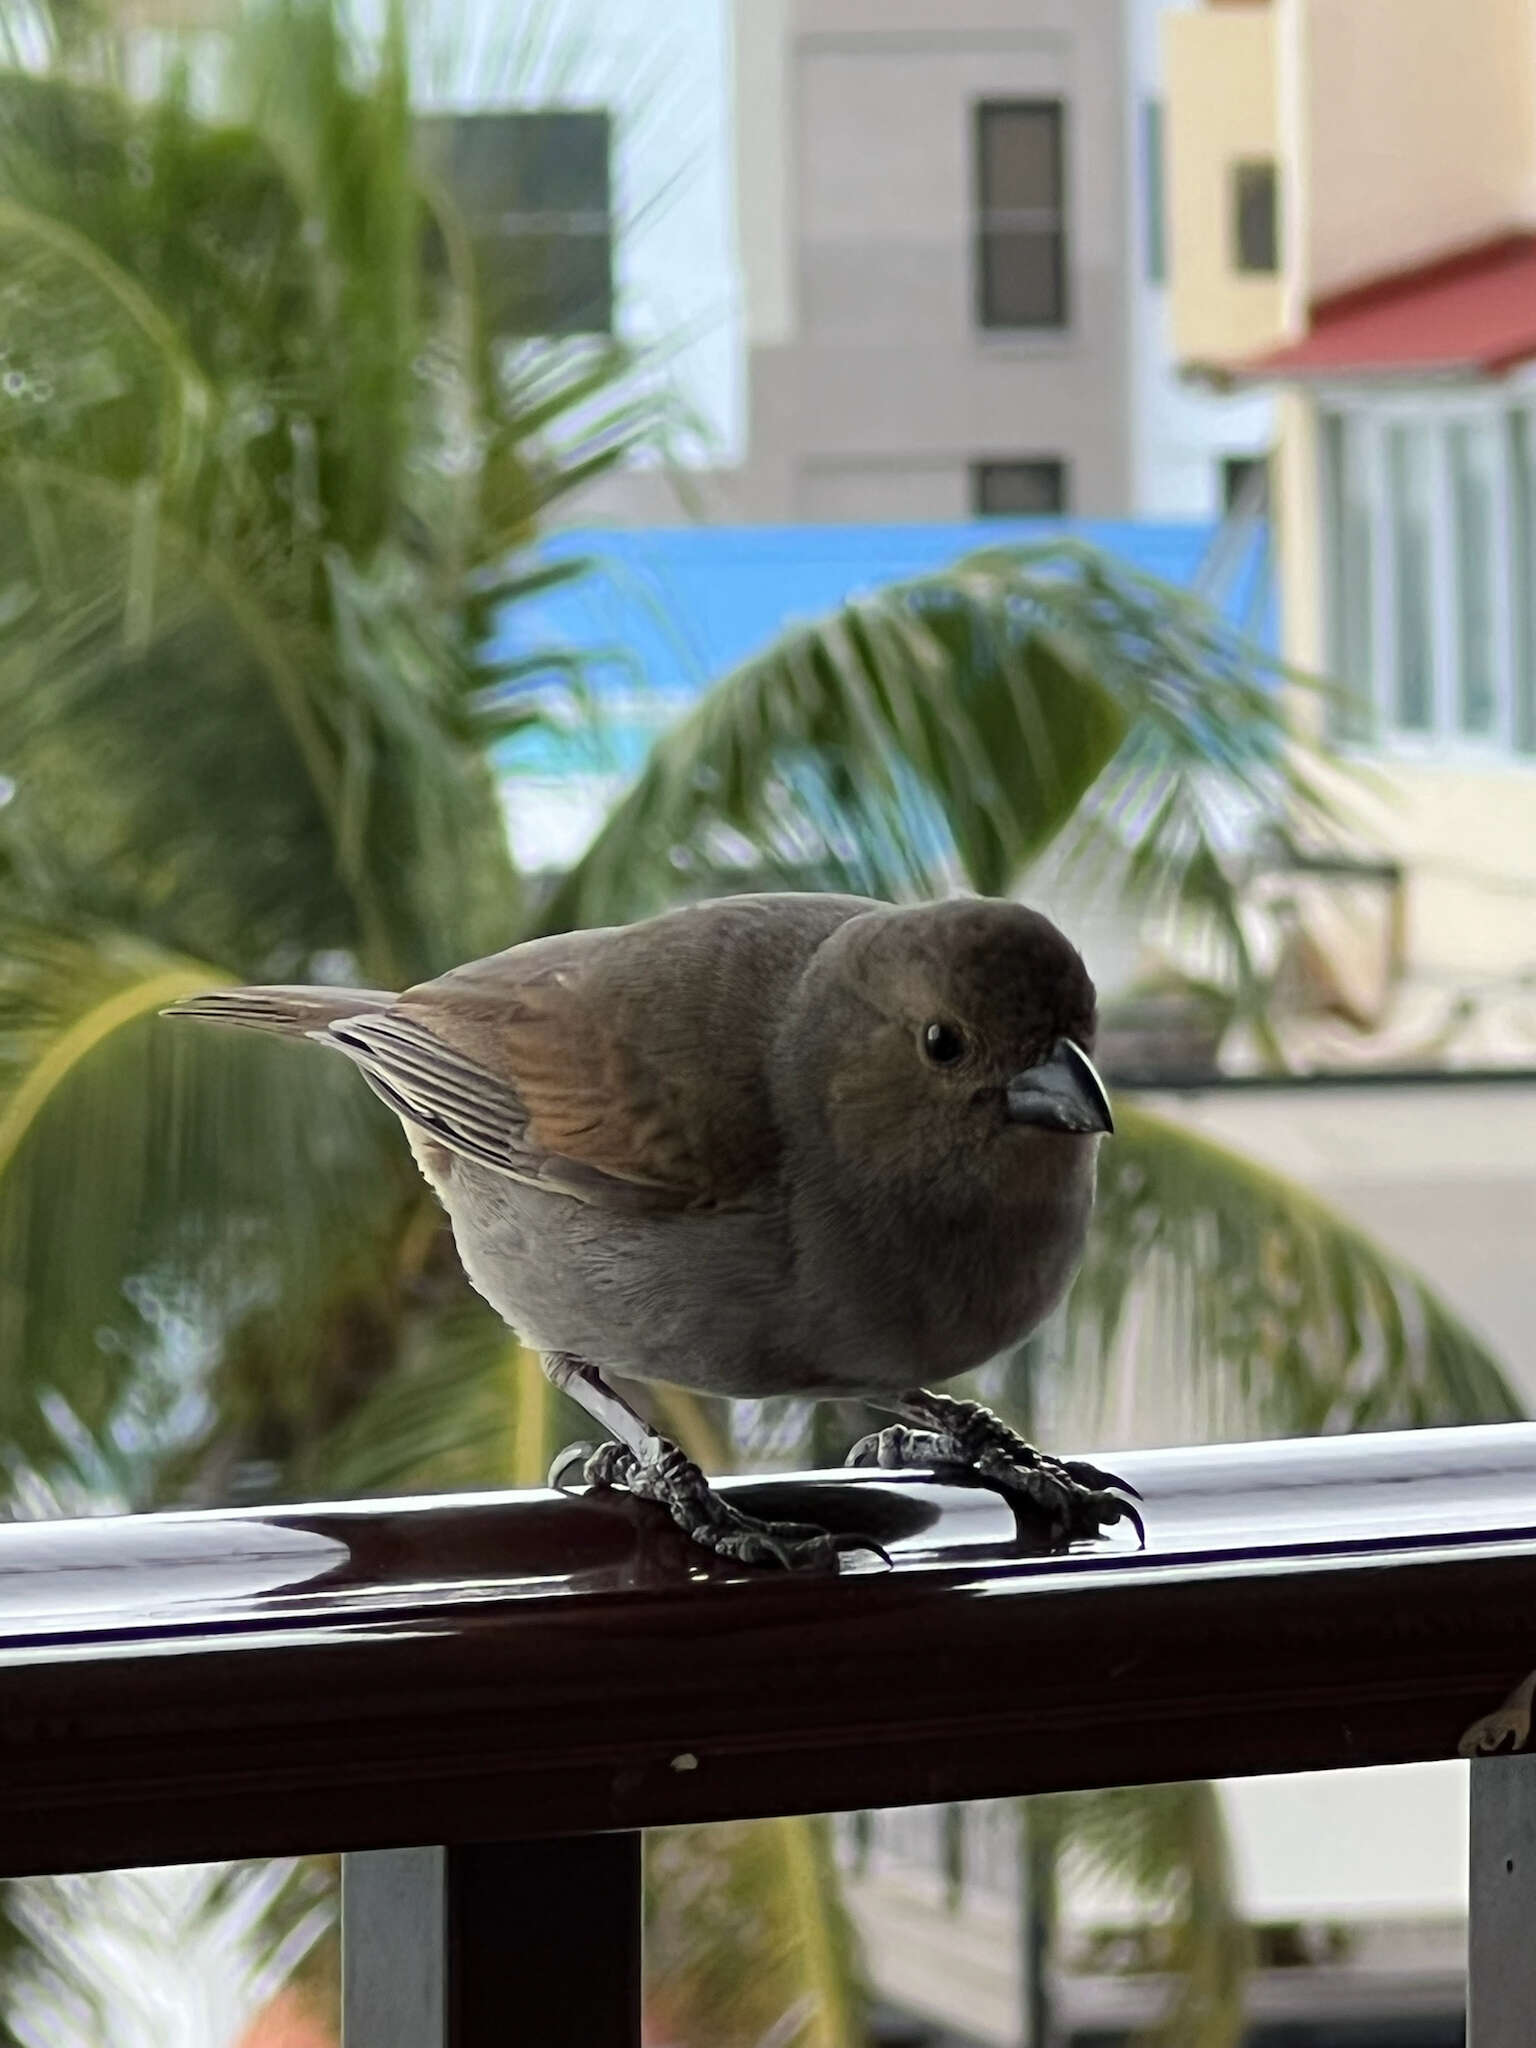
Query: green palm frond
pixel 1168 1845
pixel 747 1940
pixel 467 1405
pixel 862 750
pixel 67 286
pixel 1219 1299
pixel 280 632
pixel 157 1183
pixel 955 727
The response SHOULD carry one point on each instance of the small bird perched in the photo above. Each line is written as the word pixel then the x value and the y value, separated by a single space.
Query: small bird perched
pixel 774 1144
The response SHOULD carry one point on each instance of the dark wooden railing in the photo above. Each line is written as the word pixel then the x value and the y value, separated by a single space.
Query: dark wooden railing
pixel 483 1699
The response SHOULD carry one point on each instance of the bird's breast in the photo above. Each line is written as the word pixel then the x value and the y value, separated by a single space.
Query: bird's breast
pixel 938 1284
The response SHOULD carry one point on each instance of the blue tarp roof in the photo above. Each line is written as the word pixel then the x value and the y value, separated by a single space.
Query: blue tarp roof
pixel 666 610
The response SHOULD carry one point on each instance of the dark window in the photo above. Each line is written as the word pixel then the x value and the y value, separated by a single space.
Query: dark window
pixel 1154 233
pixel 1255 217
pixel 1020 214
pixel 533 190
pixel 1019 490
pixel 1245 483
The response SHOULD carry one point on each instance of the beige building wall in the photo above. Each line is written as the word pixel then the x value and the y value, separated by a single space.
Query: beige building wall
pixel 873 390
pixel 1298 537
pixel 1467 837
pixel 1222 109
pixel 1416 131
pixel 1419 128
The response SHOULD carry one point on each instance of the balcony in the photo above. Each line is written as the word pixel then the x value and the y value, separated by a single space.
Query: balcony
pixel 482 1700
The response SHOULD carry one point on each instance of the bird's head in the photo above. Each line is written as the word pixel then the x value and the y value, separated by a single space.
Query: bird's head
pixel 951 1036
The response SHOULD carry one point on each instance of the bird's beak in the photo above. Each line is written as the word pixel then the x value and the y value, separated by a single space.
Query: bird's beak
pixel 1064 1093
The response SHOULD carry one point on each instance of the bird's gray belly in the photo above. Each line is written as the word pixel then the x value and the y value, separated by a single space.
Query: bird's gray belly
pixel 718 1301
pixel 693 1299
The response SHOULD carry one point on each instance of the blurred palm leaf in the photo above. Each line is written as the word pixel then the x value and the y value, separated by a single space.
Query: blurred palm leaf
pixel 1166 1844
pixel 184 1957
pixel 747 1941
pixel 157 1190
pixel 260 468
pixel 1218 1299
pixel 960 724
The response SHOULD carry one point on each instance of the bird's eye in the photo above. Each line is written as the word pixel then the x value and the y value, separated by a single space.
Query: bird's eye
pixel 943 1044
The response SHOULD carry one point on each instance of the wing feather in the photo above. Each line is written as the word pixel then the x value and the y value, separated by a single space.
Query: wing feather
pixel 629 1068
pixel 461 1105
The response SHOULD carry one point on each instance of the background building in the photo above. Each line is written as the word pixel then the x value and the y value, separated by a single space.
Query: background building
pixel 954 283
pixel 1389 151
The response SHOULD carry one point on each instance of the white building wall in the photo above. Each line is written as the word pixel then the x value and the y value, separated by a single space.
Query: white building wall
pixel 1179 433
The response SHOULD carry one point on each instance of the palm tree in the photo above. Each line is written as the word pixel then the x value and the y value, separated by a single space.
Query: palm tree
pixel 266 483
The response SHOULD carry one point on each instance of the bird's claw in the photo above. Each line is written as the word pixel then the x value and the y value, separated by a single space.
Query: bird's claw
pixel 1092 1476
pixel 566 1461
pixel 675 1483
pixel 1076 1499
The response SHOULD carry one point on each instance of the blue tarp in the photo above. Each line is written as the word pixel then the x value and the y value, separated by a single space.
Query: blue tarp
pixel 666 610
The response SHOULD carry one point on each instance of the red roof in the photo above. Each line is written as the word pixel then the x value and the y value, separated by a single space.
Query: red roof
pixel 1474 311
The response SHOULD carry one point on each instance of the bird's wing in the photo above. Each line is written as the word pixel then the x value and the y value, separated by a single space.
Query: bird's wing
pixel 474 1114
pixel 629 1067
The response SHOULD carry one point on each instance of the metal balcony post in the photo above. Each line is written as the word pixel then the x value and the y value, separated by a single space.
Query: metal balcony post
pixel 1501 1934
pixel 454 1948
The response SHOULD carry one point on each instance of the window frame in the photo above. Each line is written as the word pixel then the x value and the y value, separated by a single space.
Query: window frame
pixel 986 224
pixel 1238 170
pixel 1364 421
pixel 1260 462
pixel 506 228
pixel 982 464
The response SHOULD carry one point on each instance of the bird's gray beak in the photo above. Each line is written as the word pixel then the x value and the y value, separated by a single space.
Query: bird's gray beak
pixel 1064 1093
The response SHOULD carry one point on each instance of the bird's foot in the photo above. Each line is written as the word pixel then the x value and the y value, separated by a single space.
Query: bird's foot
pixel 664 1475
pixel 962 1440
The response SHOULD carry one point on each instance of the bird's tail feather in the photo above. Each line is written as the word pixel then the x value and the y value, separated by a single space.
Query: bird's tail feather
pixel 292 1012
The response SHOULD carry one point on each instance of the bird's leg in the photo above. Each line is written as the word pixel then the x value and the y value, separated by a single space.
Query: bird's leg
pixel 651 1467
pixel 961 1439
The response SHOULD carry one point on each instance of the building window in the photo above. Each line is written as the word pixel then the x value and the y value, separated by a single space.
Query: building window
pixel 1431 606
pixel 1411 485
pixel 1021 264
pixel 1255 218
pixel 1245 484
pixel 534 192
pixel 1154 230
pixel 1031 489
pixel 1474 459
pixel 1351 577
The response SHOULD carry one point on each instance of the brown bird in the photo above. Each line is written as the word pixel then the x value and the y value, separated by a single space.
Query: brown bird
pixel 776 1144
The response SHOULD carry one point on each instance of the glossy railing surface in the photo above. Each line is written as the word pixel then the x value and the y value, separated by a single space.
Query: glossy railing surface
pixel 179 1687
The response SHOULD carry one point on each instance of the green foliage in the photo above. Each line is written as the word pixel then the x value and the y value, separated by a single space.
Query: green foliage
pixel 260 473
pixel 1168 1844
pixel 746 1938
pixel 958 725
pixel 260 470
pixel 1253 1308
